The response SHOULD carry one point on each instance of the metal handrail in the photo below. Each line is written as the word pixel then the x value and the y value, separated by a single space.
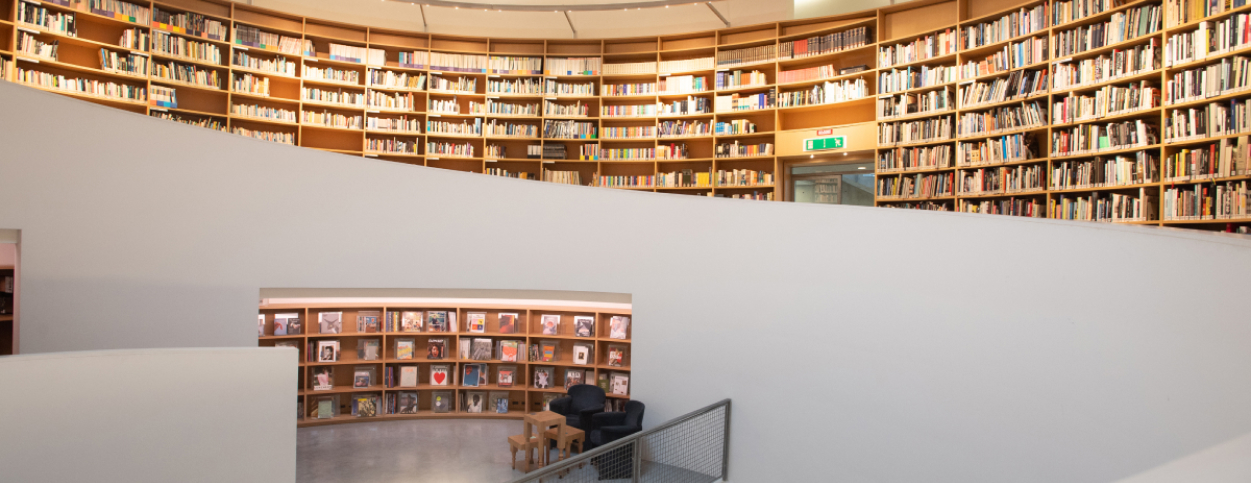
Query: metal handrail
pixel 555 468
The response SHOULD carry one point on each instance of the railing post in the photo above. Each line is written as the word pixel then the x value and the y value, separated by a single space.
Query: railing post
pixel 725 445
pixel 638 460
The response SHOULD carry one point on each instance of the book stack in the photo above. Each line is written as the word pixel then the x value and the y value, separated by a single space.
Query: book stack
pixel 337 96
pixel 1028 207
pixel 204 122
pixel 825 93
pixel 915 186
pixel 449 149
pixel 509 129
pixel 417 59
pixel 683 84
pixel 134 38
pixel 629 132
pixel 628 110
pixel 467 127
pixel 683 107
pixel 825 44
pixel 1002 180
pixel 1021 22
pixel 173 45
pixel 1122 26
pixel 562 177
pixel 1103 207
pixel 162 96
pixel 184 73
pixel 554 88
pixel 1177 12
pixel 1121 170
pixel 807 74
pixel 1139 59
pixel 277 65
pixel 261 112
pixel 902 105
pixel 392 145
pixel 669 129
pixel 576 109
pixel 30 45
pixel 1071 10
pixel 735 126
pixel 686 178
pixel 512 109
pixel 914 132
pixel 509 174
pixel 1222 159
pixel 627 154
pixel 672 151
pixel 1017 85
pixel 332 74
pixel 251 84
pixel 1005 149
pixel 914 158
pixel 1107 101
pixel 392 102
pixel 636 89
pixel 553 129
pixel 1001 119
pixel 647 181
pixel 923 48
pixel 55 22
pixel 750 102
pixel 525 85
pixel 467 85
pixel 124 11
pixel 134 64
pixel 1225 77
pixel 1094 138
pixel 273 137
pixel 743 177
pixel 741 150
pixel 401 124
pixel 896 80
pixel 738 78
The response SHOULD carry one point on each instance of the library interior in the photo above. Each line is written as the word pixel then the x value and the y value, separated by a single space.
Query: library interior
pixel 1044 204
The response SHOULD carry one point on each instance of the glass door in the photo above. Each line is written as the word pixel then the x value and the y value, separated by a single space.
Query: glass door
pixel 832 184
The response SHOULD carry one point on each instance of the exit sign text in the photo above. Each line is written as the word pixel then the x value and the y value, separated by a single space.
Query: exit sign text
pixel 832 142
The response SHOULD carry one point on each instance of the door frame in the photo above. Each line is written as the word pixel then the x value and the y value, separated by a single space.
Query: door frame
pixel 849 157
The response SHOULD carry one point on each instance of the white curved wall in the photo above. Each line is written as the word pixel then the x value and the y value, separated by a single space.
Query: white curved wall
pixel 858 344
pixel 149 416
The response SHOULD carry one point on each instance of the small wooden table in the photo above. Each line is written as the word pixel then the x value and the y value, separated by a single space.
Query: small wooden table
pixel 565 438
pixel 542 422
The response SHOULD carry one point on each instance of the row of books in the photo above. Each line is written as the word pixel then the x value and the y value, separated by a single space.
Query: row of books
pixel 562 177
pixel 93 87
pixel 1107 101
pixel 383 100
pixel 1072 10
pixel 731 127
pixel 1221 159
pixel 1208 39
pixel 825 44
pixel 575 109
pixel 690 105
pixel 392 145
pixel 573 66
pixel 263 112
pixel 738 149
pixel 1228 76
pixel 746 55
pixel 276 65
pixel 1002 119
pixel 359 55
pixel 746 102
pixel 509 64
pixel 738 78
pixel 627 68
pixel 1031 208
pixel 125 11
pixel 684 178
pixel 1120 63
pixel 254 37
pixel 1205 202
pixel 1094 138
pixel 33 47
pixel 1103 207
pixel 915 186
pixel 1001 180
pixel 271 136
pixel 50 20
pixel 914 158
pixel 331 119
pixel 923 48
pixel 553 129
pixel 186 73
pixel 464 150
pixel 686 65
pixel 133 38
pixel 1177 12
pixel 525 85
pixel 629 132
pixel 508 173
pixel 916 131
pixel 467 127
pixel 1101 172
pixel 1025 21
pixel 896 80
pixel 189 23
pixel 128 63
pixel 512 109
pixel 683 128
pixel 1122 26
pixel 336 96
pixel 331 74
pixel 1015 55
pixel 628 110
pixel 682 84
pixel 459 84
pixel 913 104
pixel 825 93
pixel 469 63
pixel 163 96
pixel 1009 148
pixel 634 89
pixel 173 45
pixel 1020 84
pixel 204 122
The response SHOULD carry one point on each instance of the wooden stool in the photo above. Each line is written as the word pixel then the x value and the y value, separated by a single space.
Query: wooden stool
pixel 520 442
pixel 565 439
pixel 542 422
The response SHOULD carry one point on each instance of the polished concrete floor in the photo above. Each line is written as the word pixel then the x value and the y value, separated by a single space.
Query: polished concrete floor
pixel 447 450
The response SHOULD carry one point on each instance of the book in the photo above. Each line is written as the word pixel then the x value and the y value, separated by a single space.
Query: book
pixel 476 322
pixel 547 400
pixel 368 322
pixel 471 375
pixel 550 324
pixel 404 349
pixel 441 401
pixel 543 377
pixel 499 401
pixel 327 351
pixel 325 408
pixel 260 325
pixel 436 349
pixel 323 378
pixel 365 406
pixel 410 322
pixel 504 378
pixel 548 351
pixel 464 349
pixel 618 327
pixel 480 350
pixel 584 326
pixel 620 384
pixel 290 324
pixel 534 352
pixel 451 317
pixel 602 382
pixel 362 378
pixel 439 375
pixel 408 376
pixel 330 322
pixel 367 349
pixel 437 320
pixel 573 377
pixel 581 354
pixel 407 403
pixel 508 323
pixel 616 355
pixel 508 351
pixel 475 401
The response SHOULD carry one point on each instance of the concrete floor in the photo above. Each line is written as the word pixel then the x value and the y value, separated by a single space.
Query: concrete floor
pixel 439 450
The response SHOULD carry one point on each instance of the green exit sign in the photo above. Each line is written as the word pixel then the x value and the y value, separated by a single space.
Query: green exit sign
pixel 818 144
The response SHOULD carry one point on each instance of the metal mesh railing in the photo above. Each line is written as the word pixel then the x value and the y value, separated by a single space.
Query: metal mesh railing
pixel 694 448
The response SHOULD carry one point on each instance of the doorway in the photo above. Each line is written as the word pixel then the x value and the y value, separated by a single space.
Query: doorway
pixel 831 182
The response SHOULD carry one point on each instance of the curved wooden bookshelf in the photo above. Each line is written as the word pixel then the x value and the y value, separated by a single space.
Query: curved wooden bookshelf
pixel 523 395
pixel 502 155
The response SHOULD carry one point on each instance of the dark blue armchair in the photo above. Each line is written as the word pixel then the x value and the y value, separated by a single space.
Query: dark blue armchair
pixel 583 402
pixel 609 427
